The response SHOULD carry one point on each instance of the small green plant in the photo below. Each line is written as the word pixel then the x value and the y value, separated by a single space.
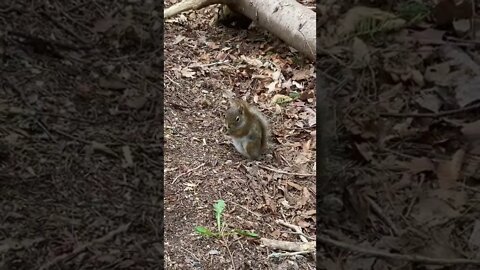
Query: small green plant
pixel 218 208
pixel 413 11
pixel 294 95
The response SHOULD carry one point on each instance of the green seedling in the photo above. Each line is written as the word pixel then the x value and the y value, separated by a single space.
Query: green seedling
pixel 219 208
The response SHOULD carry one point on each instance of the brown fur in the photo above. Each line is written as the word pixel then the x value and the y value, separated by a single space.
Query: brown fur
pixel 255 126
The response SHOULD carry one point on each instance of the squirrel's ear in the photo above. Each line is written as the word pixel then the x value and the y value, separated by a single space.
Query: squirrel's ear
pixel 242 106
pixel 232 102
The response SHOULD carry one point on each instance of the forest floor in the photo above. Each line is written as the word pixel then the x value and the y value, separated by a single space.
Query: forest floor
pixel 202 63
pixel 80 135
pixel 403 81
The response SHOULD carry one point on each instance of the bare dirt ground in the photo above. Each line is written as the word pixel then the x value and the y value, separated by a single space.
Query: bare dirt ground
pixel 80 135
pixel 403 81
pixel 201 166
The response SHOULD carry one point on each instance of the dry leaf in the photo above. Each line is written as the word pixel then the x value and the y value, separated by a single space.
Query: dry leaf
pixel 432 211
pixel 461 26
pixel 430 102
pixel 271 87
pixel 468 91
pixel 448 172
pixel 429 36
pixel 361 53
pixel 438 73
pixel 357 14
pixel 417 77
pixel 474 239
pixel 127 154
pixel 136 102
pixel 418 165
pixel 103 148
pixel 446 11
pixel 471 130
pixel 178 39
pixel 187 73
pixel 364 149
pixel 300 75
pixel 112 84
pixel 104 24
pixel 459 57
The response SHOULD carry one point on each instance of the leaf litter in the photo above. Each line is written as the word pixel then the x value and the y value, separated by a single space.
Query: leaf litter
pixel 80 185
pixel 406 105
pixel 281 84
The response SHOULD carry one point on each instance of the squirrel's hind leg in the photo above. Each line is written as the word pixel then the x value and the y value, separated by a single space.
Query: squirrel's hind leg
pixel 254 149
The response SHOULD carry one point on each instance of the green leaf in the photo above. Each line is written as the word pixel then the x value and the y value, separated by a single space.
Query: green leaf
pixel 219 207
pixel 294 95
pixel 204 231
pixel 247 233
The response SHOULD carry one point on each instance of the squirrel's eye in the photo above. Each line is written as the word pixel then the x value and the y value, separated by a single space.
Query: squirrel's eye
pixel 238 118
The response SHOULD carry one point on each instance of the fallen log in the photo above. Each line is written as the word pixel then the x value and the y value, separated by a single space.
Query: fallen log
pixel 288 20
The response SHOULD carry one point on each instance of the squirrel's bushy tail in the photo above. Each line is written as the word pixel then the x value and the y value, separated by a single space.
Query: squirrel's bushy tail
pixel 264 127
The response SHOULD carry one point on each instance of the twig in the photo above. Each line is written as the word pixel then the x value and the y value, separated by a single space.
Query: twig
pixel 208 65
pixel 288 245
pixel 72 137
pixel 283 254
pixel 187 172
pixel 432 115
pixel 385 254
pixel 42 41
pixel 81 248
pixel 70 32
pixel 231 256
pixel 379 212
pixel 246 209
pixel 284 172
pixel 296 228
pixel 304 235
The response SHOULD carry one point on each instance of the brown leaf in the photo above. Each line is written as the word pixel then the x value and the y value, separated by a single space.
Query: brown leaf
pixel 272 206
pixel 136 102
pixel 112 84
pixel 432 211
pixel 448 172
pixel 300 75
pixel 127 154
pixel 365 151
pixel 295 186
pixel 417 77
pixel 456 198
pixel 467 91
pixel 357 14
pixel 104 24
pixel 446 11
pixel 306 197
pixel 438 73
pixel 461 26
pixel 103 148
pixel 361 53
pixel 188 73
pixel 418 165
pixel 429 101
pixel 304 224
pixel 429 36
pixel 471 130
pixel 458 57
pixel 474 239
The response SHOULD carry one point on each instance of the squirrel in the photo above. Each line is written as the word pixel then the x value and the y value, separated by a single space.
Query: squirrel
pixel 248 128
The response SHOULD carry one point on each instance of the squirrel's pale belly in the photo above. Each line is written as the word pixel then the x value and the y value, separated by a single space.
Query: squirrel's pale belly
pixel 240 144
